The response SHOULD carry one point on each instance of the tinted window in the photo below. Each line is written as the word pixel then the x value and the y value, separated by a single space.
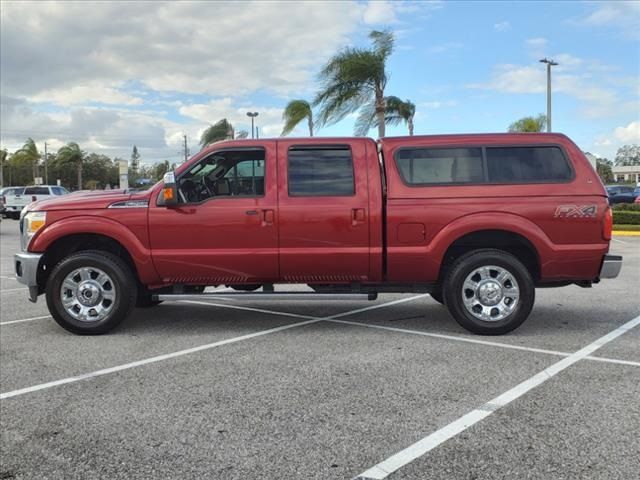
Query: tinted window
pixel 36 191
pixel 15 191
pixel 321 170
pixel 227 173
pixel 527 164
pixel 420 166
pixel 59 191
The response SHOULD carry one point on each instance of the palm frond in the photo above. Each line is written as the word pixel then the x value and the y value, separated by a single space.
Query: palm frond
pixel 295 112
pixel 220 130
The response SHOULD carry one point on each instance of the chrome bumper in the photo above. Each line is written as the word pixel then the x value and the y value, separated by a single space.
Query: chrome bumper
pixel 611 265
pixel 26 267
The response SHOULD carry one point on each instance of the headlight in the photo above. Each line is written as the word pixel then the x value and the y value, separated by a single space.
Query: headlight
pixel 30 224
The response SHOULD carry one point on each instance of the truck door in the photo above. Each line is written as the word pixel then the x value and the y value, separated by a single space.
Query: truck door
pixel 224 230
pixel 323 203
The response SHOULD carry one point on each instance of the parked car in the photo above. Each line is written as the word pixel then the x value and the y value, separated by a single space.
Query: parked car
pixel 621 194
pixel 1 208
pixel 477 221
pixel 11 198
pixel 20 199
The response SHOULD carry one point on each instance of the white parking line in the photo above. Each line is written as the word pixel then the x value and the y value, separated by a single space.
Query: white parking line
pixel 25 320
pixel 147 361
pixel 23 289
pixel 482 342
pixel 159 358
pixel 395 462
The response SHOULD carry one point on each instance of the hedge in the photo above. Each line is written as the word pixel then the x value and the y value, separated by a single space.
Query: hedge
pixel 626 217
pixel 627 206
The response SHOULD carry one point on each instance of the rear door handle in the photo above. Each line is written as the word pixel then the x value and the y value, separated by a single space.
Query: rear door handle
pixel 267 217
pixel 357 216
pixel 251 212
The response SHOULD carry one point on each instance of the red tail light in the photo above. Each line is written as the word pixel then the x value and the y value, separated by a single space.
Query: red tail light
pixel 607 224
pixel 34 198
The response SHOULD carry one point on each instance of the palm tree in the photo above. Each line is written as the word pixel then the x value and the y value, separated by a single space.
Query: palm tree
pixel 71 154
pixel 395 111
pixel 529 124
pixel 295 112
pixel 354 78
pixel 29 154
pixel 221 130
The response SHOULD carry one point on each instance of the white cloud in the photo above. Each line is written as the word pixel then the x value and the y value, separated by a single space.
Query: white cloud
pixel 588 81
pixel 215 48
pixel 82 94
pixel 379 12
pixel 502 26
pixel 628 134
pixel 538 42
pixel 624 16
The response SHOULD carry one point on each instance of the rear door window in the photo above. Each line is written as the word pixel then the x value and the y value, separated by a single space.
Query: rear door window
pixel 321 171
pixel 527 165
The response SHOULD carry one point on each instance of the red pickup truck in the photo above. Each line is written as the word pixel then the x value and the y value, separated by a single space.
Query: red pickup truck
pixel 477 221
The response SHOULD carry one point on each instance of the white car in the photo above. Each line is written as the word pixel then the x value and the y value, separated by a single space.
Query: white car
pixel 16 200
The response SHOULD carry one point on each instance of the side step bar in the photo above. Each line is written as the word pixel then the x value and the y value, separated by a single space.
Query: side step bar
pixel 267 296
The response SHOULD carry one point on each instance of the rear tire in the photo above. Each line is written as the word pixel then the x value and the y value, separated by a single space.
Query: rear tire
pixel 91 292
pixel 489 292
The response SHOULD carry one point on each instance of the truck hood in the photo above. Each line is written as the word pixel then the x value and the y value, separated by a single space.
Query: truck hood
pixel 87 200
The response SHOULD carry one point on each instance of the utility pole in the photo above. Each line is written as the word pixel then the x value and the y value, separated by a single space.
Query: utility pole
pixel 186 149
pixel 46 171
pixel 550 63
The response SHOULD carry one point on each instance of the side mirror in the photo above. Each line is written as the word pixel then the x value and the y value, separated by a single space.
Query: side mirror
pixel 170 190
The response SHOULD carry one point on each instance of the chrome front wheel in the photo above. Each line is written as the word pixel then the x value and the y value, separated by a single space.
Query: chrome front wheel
pixel 88 294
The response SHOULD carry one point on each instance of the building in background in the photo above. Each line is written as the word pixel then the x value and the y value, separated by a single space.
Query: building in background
pixel 629 173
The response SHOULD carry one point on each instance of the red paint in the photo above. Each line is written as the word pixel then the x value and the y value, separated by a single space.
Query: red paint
pixel 282 238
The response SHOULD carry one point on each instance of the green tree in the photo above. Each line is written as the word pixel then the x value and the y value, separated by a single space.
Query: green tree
pixel 395 111
pixel 134 159
pixel 3 157
pixel 628 155
pixel 221 130
pixel 603 167
pixel 295 112
pixel 29 154
pixel 529 124
pixel 353 78
pixel 71 154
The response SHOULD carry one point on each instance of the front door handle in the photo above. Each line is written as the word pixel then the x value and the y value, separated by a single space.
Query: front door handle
pixel 357 216
pixel 267 217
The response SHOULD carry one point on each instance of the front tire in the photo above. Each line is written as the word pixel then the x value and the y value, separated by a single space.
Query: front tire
pixel 489 292
pixel 91 292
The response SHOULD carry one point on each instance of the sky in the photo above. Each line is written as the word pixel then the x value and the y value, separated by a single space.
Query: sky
pixel 110 75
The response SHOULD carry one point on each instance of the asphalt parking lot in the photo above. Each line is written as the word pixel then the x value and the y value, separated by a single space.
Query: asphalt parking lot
pixel 324 390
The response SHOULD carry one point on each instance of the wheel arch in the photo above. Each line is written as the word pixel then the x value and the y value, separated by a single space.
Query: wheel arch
pixel 67 236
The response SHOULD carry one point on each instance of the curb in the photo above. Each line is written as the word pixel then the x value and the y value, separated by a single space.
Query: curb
pixel 624 233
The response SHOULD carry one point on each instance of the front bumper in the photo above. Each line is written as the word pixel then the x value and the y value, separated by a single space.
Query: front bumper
pixel 26 267
pixel 611 265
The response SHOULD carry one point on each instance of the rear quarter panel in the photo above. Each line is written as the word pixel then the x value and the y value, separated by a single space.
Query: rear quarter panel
pixel 569 244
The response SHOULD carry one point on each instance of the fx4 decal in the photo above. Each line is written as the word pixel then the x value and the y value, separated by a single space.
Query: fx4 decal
pixel 576 211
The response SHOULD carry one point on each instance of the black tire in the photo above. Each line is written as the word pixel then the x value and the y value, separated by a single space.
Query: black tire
pixel 454 291
pixel 437 296
pixel 122 281
pixel 145 301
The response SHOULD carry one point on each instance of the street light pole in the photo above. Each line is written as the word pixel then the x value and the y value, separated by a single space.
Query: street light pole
pixel 550 63
pixel 252 115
